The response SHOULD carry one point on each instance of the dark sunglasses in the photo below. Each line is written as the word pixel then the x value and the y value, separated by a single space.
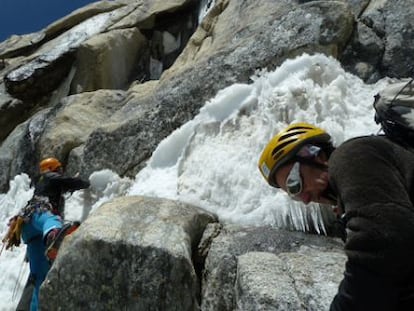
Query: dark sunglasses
pixel 294 182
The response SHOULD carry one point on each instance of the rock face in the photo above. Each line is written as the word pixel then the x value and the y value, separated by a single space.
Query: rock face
pixel 100 89
pixel 135 253
pixel 269 269
pixel 168 65
pixel 141 253
pixel 106 45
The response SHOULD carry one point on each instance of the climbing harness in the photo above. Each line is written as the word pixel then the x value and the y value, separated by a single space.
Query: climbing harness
pixel 13 234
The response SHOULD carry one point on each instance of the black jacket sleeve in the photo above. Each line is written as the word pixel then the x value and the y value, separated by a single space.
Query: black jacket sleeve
pixel 374 180
pixel 54 185
pixel 69 184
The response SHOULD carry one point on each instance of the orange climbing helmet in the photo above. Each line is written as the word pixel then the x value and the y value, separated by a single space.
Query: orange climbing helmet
pixel 49 164
pixel 285 145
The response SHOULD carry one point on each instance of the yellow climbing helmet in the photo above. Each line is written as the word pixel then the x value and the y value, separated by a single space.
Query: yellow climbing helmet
pixel 284 146
pixel 49 164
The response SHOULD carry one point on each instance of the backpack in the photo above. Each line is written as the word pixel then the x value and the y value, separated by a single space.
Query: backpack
pixel 394 110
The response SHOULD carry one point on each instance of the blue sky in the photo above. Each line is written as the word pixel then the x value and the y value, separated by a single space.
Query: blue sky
pixel 24 16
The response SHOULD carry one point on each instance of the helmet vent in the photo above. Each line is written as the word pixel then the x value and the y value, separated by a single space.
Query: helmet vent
pixel 301 127
pixel 277 155
pixel 290 134
pixel 278 151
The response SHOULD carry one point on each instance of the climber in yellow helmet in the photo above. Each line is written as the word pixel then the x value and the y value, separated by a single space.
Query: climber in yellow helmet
pixel 300 147
pixel 370 181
